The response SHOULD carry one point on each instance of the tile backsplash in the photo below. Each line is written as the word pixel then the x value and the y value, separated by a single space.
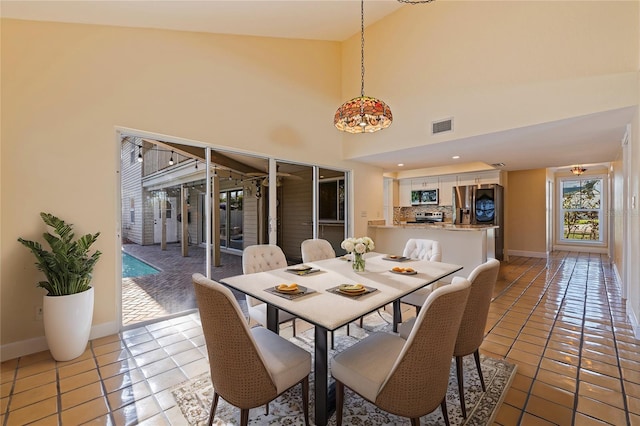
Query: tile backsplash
pixel 407 214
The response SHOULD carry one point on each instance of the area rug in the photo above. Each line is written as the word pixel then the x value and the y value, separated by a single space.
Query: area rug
pixel 194 396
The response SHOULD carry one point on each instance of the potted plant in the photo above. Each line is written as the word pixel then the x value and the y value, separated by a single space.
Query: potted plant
pixel 68 304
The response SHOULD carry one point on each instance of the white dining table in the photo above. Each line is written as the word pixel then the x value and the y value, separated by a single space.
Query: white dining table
pixel 328 310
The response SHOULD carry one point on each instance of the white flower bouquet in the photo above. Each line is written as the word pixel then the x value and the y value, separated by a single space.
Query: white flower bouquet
pixel 358 246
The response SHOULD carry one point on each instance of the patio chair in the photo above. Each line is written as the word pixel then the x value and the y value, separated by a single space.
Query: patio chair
pixel 410 377
pixel 260 258
pixel 249 367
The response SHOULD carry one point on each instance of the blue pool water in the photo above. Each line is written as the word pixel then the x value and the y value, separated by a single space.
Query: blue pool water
pixel 132 267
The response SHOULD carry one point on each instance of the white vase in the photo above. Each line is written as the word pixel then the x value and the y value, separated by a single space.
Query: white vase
pixel 67 323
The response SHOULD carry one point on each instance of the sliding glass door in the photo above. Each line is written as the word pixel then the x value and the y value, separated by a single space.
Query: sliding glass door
pixel 186 207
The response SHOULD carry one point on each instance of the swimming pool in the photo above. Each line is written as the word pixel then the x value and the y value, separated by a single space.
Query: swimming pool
pixel 133 267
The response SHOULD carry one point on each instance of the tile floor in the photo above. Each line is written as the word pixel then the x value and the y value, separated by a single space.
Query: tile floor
pixel 561 321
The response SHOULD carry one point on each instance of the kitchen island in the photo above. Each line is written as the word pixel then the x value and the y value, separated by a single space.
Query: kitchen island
pixel 466 245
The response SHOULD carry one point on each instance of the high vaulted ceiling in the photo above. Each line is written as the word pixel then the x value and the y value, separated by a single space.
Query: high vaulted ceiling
pixel 585 140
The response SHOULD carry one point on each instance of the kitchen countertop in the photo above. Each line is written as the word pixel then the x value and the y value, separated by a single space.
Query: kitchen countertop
pixel 447 226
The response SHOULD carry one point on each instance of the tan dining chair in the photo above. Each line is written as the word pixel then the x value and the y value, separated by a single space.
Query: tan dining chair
pixel 249 367
pixel 318 249
pixel 409 377
pixel 260 258
pixel 424 250
pixel 471 334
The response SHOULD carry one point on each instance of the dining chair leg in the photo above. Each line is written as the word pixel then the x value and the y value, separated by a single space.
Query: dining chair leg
pixel 293 325
pixel 361 322
pixel 443 407
pixel 476 356
pixel 459 371
pixel 415 421
pixel 332 340
pixel 305 399
pixel 214 405
pixel 266 408
pixel 244 417
pixel 339 402
pixel 348 330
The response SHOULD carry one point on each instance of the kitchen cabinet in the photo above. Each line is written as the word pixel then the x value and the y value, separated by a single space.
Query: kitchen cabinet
pixel 405 192
pixel 479 178
pixel 424 183
pixel 445 187
pixel 444 184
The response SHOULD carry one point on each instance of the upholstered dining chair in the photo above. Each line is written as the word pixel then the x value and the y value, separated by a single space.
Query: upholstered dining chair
pixel 260 258
pixel 416 248
pixel 316 249
pixel 471 334
pixel 249 367
pixel 424 250
pixel 409 377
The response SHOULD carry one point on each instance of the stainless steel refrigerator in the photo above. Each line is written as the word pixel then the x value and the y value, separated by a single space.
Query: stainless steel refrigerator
pixel 481 205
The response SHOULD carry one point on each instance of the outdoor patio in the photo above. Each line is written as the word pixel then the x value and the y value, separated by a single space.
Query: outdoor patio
pixel 169 292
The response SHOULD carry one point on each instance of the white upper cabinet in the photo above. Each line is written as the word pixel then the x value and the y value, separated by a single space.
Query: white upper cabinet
pixel 405 192
pixel 445 186
pixel 479 178
pixel 424 183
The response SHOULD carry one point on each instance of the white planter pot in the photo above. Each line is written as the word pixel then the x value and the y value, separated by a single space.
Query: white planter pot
pixel 67 324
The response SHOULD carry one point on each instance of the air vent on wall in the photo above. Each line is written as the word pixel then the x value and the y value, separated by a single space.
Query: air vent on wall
pixel 442 126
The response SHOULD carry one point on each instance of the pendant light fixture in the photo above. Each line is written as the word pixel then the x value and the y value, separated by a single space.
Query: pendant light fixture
pixel 364 113
pixel 578 170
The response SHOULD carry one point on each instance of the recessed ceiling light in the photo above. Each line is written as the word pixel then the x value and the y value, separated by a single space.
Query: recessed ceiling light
pixel 455 157
pixel 400 164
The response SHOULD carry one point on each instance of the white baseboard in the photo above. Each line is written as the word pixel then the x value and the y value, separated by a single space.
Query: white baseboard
pixel 583 249
pixel 524 253
pixel 39 344
pixel 633 319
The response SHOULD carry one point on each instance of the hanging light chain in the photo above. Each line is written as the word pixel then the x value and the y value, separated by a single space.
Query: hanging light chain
pixel 361 47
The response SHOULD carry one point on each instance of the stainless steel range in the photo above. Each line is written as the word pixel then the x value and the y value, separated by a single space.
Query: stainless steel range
pixel 428 217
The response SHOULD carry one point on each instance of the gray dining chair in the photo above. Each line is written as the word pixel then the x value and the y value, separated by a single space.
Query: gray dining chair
pixel 471 333
pixel 260 258
pixel 249 367
pixel 409 377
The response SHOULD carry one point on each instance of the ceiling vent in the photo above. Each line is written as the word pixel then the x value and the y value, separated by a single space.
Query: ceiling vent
pixel 442 126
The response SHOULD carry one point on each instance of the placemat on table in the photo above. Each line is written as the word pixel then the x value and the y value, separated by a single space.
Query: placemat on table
pixel 291 296
pixel 335 290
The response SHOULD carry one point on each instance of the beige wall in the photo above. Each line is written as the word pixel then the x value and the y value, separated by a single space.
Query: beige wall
pixel 526 222
pixel 493 65
pixel 65 89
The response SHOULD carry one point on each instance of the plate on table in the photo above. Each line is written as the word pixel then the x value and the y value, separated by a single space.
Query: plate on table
pixel 303 271
pixel 352 289
pixel 404 271
pixel 289 288
pixel 299 268
pixel 394 258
